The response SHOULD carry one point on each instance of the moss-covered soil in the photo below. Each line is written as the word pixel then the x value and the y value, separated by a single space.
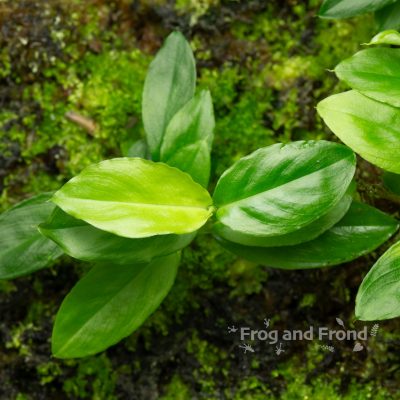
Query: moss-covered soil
pixel 266 64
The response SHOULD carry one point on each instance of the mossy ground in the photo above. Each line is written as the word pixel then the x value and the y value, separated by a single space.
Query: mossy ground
pixel 266 66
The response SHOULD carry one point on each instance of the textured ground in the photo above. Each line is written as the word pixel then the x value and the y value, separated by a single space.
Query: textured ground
pixel 266 66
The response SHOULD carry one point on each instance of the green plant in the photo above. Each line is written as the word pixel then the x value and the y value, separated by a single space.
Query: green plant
pixel 286 206
pixel 367 119
pixel 386 12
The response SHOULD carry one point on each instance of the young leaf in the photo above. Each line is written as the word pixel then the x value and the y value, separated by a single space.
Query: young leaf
pixel 282 188
pixel 350 8
pixel 136 198
pixel 305 234
pixel 378 296
pixel 390 37
pixel 375 73
pixel 388 17
pixel 169 84
pixel 22 248
pixel 108 304
pixel 370 128
pixel 362 230
pixel 392 182
pixel 188 138
pixel 85 242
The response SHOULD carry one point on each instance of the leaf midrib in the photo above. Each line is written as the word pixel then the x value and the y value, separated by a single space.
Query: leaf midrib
pixel 124 286
pixel 204 208
pixel 282 185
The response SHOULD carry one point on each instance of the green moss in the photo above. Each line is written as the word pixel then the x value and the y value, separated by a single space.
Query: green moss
pixel 195 8
pixel 176 390
pixel 212 363
pixel 94 379
pixel 251 388
pixel 299 386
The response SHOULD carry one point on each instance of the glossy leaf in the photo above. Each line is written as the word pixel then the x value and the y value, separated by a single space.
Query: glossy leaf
pixel 85 242
pixel 350 8
pixel 388 17
pixel 379 294
pixel 375 73
pixel 22 248
pixel 188 138
pixel 362 230
pixel 169 84
pixel 136 198
pixel 305 234
pixel 370 128
pixel 282 188
pixel 392 182
pixel 390 37
pixel 108 304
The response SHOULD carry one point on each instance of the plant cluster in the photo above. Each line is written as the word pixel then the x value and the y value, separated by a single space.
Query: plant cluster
pixel 286 206
pixel 367 119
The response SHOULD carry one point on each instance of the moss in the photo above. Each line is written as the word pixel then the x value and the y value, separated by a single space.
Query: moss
pixel 300 385
pixel 95 379
pixel 212 363
pixel 194 8
pixel 176 390
pixel 251 388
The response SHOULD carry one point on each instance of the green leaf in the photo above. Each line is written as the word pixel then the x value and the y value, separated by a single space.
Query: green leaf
pixel 388 17
pixel 379 294
pixel 169 84
pixel 137 149
pixel 390 37
pixel 362 230
pixel 282 188
pixel 350 8
pixel 22 248
pixel 375 73
pixel 370 128
pixel 85 242
pixel 136 198
pixel 108 304
pixel 305 234
pixel 392 182
pixel 188 138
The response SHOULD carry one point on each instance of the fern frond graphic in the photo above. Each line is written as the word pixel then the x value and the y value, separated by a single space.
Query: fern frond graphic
pixel 374 330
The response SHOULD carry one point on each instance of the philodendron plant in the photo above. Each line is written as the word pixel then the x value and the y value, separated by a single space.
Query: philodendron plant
pixel 367 119
pixel 286 206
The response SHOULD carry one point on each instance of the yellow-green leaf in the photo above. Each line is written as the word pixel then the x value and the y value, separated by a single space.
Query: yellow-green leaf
pixel 136 198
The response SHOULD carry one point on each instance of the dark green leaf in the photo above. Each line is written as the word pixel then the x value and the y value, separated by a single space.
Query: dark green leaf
pixel 379 294
pixel 188 138
pixel 136 198
pixel 22 248
pixel 350 8
pixel 108 304
pixel 375 73
pixel 305 234
pixel 388 17
pixel 362 230
pixel 369 127
pixel 392 182
pixel 85 242
pixel 282 188
pixel 169 84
